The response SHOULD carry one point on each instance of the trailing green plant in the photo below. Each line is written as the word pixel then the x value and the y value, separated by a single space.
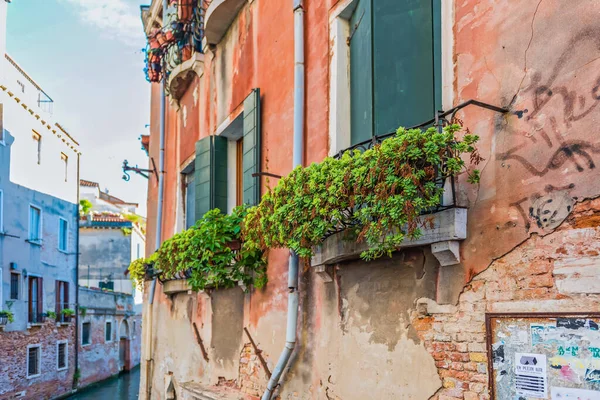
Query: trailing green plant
pixel 211 253
pixel 51 314
pixel 126 231
pixel 82 311
pixel 68 312
pixel 375 196
pixel 8 315
pixel 138 268
pixel 84 206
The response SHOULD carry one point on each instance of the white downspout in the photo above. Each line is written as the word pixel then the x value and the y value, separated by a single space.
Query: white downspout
pixel 292 315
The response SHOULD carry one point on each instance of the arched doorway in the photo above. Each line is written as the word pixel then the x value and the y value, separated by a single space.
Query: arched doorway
pixel 124 343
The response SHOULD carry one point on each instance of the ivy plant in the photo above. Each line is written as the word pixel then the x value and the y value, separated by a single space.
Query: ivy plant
pixel 210 253
pixel 376 196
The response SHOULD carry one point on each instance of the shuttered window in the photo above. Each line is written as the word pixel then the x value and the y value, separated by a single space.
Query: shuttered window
pixel 251 148
pixel 34 357
pixel 395 65
pixel 210 172
pixel 61 355
pixel 85 333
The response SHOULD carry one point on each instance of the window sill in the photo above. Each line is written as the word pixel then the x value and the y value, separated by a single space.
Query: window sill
pixel 33 376
pixel 37 242
pixel 65 252
pixel 34 325
pixel 63 324
pixel 63 369
pixel 86 344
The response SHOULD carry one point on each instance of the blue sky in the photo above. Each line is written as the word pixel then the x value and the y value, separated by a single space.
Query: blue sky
pixel 86 54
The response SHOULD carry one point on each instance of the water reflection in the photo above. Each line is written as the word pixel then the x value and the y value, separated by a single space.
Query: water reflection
pixel 125 387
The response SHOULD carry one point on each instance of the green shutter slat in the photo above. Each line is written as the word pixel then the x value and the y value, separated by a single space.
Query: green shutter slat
pixel 202 177
pixel 210 175
pixel 361 73
pixel 219 173
pixel 404 65
pixel 251 148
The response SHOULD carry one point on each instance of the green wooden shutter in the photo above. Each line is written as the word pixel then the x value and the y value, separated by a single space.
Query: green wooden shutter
pixel 395 65
pixel 210 175
pixel 405 55
pixel 361 73
pixel 251 148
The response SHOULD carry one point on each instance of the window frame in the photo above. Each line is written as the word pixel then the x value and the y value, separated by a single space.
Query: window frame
pixel 60 220
pixel 40 230
pixel 58 343
pixel 39 360
pixel 106 324
pixel 18 275
pixel 89 342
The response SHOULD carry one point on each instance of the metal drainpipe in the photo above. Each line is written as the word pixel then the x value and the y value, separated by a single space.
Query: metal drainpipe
pixel 292 314
pixel 75 381
pixel 159 213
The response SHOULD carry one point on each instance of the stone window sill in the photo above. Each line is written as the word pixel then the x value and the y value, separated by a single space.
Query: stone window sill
pixel 37 242
pixel 448 228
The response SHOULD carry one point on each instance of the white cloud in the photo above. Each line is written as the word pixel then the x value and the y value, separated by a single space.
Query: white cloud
pixel 119 19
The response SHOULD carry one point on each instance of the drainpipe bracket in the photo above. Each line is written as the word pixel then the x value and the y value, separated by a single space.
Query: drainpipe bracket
pixel 325 272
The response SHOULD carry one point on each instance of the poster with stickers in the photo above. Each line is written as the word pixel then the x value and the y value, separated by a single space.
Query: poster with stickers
pixel 544 356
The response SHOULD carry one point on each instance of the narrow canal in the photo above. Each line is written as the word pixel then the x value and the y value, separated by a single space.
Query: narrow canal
pixel 125 387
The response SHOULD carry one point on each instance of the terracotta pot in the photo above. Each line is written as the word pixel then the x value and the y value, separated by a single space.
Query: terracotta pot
pixel 153 43
pixel 185 10
pixel 161 38
pixel 186 52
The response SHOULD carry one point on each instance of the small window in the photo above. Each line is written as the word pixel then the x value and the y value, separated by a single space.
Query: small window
pixel 35 223
pixel 34 357
pixel 85 333
pixel 62 355
pixel 14 286
pixel 37 138
pixel 108 332
pixel 65 160
pixel 63 234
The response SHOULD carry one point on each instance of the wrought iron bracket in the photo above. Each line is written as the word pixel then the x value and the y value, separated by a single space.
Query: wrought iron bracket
pixel 140 171
pixel 266 174
pixel 200 342
pixel 258 354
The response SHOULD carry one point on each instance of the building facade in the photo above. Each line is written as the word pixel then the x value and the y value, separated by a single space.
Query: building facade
pixel 111 236
pixel 39 166
pixel 110 335
pixel 506 275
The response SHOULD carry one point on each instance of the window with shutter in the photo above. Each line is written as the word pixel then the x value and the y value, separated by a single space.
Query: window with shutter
pixel 210 172
pixel 251 148
pixel 395 79
pixel 85 333
pixel 62 355
pixel 34 357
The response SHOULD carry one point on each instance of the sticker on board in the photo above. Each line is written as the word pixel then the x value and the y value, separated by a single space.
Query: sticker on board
pixel 531 375
pixel 559 393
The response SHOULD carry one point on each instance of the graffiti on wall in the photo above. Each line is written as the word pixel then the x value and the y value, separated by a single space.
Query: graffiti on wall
pixel 544 356
pixel 556 138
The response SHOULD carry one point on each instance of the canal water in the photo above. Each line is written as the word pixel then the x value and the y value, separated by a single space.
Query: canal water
pixel 124 387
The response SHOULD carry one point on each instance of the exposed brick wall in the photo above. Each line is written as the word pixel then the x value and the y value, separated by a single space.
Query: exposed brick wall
pixel 100 359
pixel 13 362
pixel 252 378
pixel 528 279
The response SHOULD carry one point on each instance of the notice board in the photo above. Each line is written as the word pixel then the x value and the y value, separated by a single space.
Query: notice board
pixel 544 356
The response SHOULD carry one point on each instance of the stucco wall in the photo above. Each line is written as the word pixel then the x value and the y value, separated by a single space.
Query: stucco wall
pixel 104 253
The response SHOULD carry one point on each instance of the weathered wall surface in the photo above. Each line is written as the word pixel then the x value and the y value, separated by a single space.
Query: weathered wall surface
pixel 551 273
pixel 536 167
pixel 13 362
pixel 105 255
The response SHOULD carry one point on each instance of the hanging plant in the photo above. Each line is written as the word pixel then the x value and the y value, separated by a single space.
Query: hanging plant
pixel 375 196
pixel 210 254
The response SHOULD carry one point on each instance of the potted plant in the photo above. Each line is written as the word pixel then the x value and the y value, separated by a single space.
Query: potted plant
pixel 185 9
pixel 51 315
pixel 6 317
pixel 67 313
